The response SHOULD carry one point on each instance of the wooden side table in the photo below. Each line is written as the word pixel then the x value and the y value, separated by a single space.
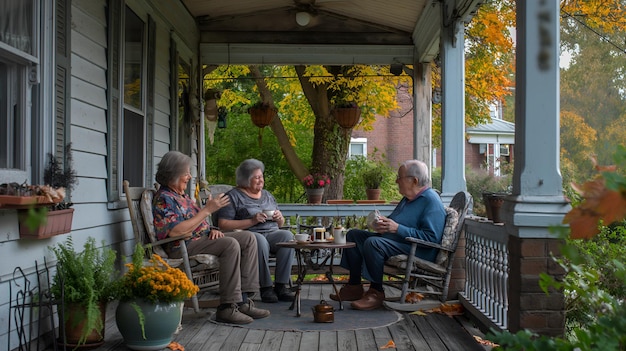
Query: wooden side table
pixel 303 265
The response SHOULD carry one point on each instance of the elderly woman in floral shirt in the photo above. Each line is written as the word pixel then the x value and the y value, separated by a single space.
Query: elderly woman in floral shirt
pixel 177 215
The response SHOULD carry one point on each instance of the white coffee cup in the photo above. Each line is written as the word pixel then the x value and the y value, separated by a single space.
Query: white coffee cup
pixel 302 237
pixel 269 213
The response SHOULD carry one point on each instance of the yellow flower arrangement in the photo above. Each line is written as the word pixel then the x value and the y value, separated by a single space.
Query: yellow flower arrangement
pixel 156 281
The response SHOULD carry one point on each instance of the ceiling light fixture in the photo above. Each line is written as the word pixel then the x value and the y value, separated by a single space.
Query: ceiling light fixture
pixel 303 18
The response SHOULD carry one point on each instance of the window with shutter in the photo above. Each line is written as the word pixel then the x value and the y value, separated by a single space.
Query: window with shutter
pixel 33 92
pixel 132 43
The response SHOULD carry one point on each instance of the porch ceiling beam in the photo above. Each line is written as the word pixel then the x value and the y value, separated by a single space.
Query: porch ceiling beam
pixel 243 54
pixel 426 34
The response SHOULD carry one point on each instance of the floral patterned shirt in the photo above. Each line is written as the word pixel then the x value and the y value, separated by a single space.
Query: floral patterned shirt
pixel 169 209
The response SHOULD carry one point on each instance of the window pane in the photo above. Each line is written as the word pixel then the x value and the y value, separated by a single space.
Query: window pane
pixel 356 149
pixel 16 24
pixel 11 119
pixel 133 59
pixel 133 148
pixel 184 108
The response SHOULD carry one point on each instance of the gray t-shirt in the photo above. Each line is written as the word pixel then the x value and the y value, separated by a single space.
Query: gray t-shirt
pixel 243 206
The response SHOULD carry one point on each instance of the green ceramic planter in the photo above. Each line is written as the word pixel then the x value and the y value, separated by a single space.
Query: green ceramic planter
pixel 160 323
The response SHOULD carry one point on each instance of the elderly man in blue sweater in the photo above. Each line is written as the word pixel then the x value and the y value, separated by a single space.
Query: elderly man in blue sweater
pixel 420 214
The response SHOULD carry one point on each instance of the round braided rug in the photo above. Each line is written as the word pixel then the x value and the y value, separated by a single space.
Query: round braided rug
pixel 284 319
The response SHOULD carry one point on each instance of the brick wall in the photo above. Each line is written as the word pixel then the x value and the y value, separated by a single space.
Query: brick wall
pixel 393 134
pixel 529 307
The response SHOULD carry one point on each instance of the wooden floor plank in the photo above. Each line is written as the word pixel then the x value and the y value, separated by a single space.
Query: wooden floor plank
pixel 424 334
pixel 235 338
pixel 400 336
pixel 291 341
pixel 381 336
pixel 272 340
pixel 310 341
pixel 254 336
pixel 328 341
pixel 456 338
pixel 346 340
pixel 215 342
pixel 365 339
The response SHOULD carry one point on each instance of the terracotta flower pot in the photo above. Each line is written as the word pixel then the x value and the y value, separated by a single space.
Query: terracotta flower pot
pixel 314 196
pixel 347 117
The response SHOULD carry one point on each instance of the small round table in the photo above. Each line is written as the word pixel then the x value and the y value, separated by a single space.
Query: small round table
pixel 303 264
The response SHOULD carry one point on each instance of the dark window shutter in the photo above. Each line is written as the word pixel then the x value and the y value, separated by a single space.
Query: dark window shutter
pixel 62 78
pixel 150 93
pixel 114 86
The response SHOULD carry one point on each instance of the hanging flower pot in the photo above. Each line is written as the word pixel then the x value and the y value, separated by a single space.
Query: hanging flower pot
pixel 262 114
pixel 347 117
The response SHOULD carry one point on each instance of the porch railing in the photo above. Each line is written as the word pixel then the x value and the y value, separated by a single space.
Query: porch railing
pixel 331 210
pixel 487 269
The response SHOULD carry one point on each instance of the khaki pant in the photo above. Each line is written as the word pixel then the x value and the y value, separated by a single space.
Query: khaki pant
pixel 238 257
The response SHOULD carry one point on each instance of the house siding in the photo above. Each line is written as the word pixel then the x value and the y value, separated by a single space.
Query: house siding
pixel 93 216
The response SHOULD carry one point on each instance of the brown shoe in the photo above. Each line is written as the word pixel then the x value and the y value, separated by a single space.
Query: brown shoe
pixel 349 293
pixel 371 300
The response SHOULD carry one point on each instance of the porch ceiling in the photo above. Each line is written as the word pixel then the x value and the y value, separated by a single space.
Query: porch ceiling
pixel 340 31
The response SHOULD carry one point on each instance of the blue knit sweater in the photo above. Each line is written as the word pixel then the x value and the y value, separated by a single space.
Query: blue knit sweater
pixel 423 218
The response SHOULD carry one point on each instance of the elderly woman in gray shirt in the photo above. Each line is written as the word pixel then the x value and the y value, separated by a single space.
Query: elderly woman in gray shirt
pixel 247 202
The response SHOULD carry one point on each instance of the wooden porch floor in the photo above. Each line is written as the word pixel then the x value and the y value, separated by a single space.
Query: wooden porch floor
pixel 411 332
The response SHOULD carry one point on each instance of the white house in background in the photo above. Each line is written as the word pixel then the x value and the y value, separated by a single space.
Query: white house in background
pixel 489 144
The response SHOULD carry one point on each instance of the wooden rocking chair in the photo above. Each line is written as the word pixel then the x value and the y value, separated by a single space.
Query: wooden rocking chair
pixel 425 277
pixel 203 269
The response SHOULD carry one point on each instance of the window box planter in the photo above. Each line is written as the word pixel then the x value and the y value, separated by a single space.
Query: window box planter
pixel 22 202
pixel 58 222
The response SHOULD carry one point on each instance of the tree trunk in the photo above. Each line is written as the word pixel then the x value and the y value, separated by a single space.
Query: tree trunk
pixel 330 142
pixel 297 167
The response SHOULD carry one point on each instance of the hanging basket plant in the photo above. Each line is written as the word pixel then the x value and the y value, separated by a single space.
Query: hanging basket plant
pixel 262 114
pixel 347 116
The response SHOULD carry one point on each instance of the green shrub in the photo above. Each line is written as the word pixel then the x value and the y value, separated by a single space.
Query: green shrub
pixel 479 181
pixel 354 185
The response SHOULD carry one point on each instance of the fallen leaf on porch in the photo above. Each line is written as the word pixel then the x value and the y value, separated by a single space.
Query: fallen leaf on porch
pixel 449 309
pixel 389 345
pixel 484 342
pixel 175 346
pixel 413 297
pixel 318 278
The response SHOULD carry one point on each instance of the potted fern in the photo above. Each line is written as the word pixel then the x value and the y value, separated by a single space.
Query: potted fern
pixel 82 286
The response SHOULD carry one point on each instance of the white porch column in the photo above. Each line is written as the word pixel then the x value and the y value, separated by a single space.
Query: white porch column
pixel 452 110
pixel 537 200
pixel 422 113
